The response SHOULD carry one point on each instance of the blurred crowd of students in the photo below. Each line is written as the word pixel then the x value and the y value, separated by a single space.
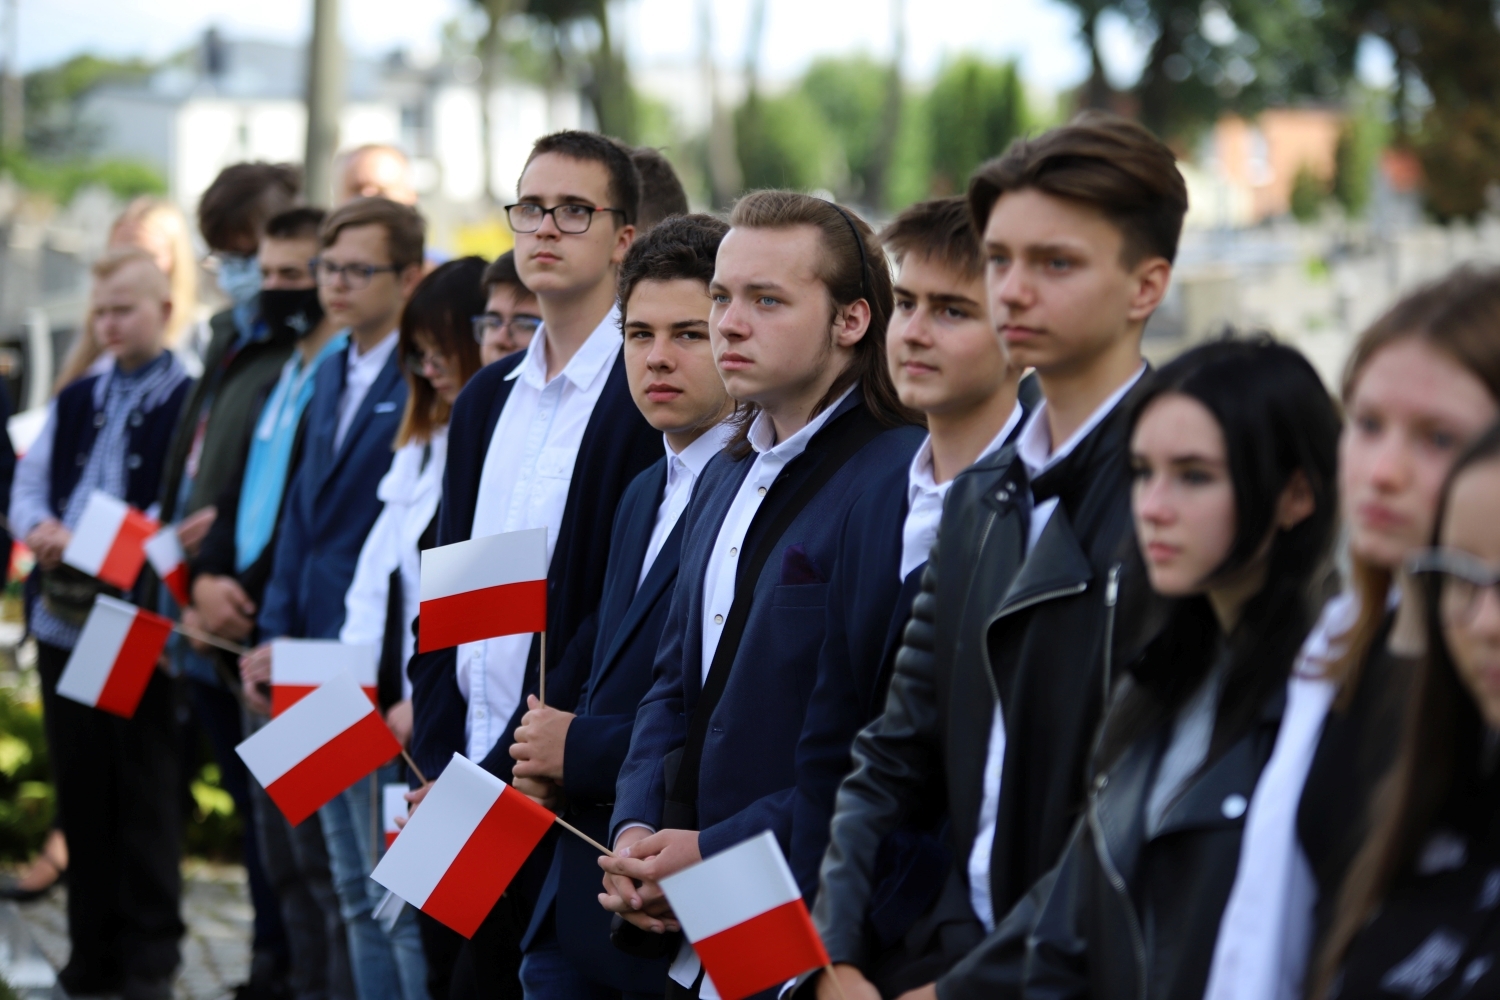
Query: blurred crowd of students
pixel 1054 674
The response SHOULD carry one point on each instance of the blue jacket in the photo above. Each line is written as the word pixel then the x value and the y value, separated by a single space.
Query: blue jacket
pixel 620 640
pixel 617 445
pixel 331 503
pixel 747 777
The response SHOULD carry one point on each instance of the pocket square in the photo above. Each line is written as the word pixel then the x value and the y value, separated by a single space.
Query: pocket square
pixel 385 406
pixel 797 567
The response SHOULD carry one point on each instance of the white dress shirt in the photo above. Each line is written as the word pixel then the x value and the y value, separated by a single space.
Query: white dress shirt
pixel 771 457
pixel 360 372
pixel 683 469
pixel 527 472
pixel 1033 447
pixel 924 497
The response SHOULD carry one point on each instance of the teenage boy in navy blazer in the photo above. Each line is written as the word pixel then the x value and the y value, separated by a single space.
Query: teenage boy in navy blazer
pixel 947 362
pixel 801 300
pixel 570 762
pixel 118 780
pixel 370 260
pixel 548 437
pixel 1034 598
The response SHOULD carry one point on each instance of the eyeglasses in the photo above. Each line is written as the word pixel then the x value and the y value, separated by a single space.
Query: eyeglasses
pixel 1462 581
pixel 571 219
pixel 355 276
pixel 520 327
pixel 419 362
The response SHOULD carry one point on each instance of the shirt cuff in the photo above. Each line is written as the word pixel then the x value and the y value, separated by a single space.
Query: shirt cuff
pixel 633 826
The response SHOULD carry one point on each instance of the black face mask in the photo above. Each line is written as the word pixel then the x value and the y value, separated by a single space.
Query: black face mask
pixel 294 309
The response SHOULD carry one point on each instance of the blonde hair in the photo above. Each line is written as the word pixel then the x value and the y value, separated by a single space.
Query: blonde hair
pixel 145 212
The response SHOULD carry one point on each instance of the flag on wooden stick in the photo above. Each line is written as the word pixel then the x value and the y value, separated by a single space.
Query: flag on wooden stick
pixel 483 588
pixel 109 542
pixel 116 653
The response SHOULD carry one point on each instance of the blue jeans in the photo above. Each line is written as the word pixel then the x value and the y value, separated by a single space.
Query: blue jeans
pixel 386 966
pixel 547 974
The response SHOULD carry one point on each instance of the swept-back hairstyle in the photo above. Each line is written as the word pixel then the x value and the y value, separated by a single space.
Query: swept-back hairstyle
pixel 442 308
pixel 591 147
pixel 682 246
pixel 1277 421
pixel 405 229
pixel 241 199
pixel 1437 763
pixel 1109 163
pixel 941 231
pixel 852 267
pixel 1459 316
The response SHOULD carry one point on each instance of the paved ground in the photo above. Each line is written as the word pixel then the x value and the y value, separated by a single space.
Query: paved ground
pixel 215 952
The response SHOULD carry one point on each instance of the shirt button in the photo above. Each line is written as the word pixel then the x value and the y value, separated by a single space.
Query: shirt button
pixel 1234 807
pixel 132 462
pixel 734 550
pixel 761 492
pixel 718 619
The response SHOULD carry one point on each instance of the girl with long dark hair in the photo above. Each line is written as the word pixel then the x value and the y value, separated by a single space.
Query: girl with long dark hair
pixel 1233 450
pixel 1419 913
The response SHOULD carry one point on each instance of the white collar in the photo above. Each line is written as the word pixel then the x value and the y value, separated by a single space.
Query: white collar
pixel 592 358
pixel 1034 443
pixel 375 357
pixel 763 433
pixel 696 455
pixel 921 478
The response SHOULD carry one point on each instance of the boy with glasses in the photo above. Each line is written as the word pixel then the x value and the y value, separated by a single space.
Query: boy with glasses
pixel 510 318
pixel 546 438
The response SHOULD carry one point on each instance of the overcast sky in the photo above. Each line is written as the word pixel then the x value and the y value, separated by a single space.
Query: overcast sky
pixel 1042 33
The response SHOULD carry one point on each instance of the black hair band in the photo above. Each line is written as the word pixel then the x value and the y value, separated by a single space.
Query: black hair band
pixel 864 262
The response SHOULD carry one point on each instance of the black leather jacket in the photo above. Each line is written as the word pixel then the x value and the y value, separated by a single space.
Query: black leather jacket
pixel 1134 917
pixel 1039 636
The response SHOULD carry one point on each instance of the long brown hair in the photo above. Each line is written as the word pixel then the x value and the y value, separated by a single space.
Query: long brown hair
pixel 852 267
pixel 1439 750
pixel 1458 315
pixel 442 307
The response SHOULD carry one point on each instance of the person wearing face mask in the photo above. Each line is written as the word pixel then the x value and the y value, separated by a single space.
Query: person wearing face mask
pixel 293 885
pixel 1419 913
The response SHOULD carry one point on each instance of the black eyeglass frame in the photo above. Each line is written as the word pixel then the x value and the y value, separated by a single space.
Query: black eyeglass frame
pixel 544 212
pixel 481 324
pixel 366 272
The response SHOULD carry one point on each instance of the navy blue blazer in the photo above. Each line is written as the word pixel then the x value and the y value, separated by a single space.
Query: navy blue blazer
pixel 620 641
pixel 617 445
pixel 331 503
pixel 747 777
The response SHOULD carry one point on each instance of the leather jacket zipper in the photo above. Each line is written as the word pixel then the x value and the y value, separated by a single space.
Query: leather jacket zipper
pixel 1111 598
pixel 1117 882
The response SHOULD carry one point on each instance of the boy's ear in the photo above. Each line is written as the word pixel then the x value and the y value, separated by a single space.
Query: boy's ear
pixel 1150 279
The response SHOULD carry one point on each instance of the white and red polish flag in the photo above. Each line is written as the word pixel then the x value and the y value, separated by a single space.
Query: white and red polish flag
pixel 109 542
pixel 118 649
pixel 300 666
pixel 318 747
pixel 459 851
pixel 393 804
pixel 744 915
pixel 482 588
pixel 164 550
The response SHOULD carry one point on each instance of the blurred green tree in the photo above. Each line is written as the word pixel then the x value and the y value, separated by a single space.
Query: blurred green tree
pixel 974 110
pixel 784 141
pixel 52 96
pixel 1309 191
pixel 850 94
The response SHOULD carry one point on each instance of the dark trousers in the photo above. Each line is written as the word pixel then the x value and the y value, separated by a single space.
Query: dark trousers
pixel 118 794
pixel 218 713
pixel 486 966
pixel 296 860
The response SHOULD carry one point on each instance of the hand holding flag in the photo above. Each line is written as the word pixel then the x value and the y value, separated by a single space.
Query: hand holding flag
pixel 116 653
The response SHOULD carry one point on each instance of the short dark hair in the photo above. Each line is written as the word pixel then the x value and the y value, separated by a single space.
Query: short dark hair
pixel 940 230
pixel 405 229
pixel 502 271
pixel 683 246
pixel 662 195
pixel 301 223
pixel 1099 159
pixel 591 147
pixel 442 307
pixel 241 199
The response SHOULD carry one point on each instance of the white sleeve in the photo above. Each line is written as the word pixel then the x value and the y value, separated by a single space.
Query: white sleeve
pixel 30 490
pixel 368 594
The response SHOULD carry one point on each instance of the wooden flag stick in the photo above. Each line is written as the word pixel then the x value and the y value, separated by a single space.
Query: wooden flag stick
pixel 542 686
pixel 211 639
pixel 413 765
pixel 579 833
pixel 836 984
